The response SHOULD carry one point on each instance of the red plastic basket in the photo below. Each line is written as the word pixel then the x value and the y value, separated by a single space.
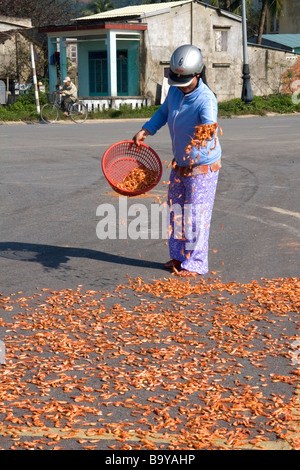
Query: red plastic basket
pixel 123 157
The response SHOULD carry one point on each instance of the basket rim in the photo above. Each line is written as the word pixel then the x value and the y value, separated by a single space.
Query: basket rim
pixel 124 191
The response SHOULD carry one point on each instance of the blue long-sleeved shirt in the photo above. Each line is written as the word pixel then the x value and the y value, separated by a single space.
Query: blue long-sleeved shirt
pixel 183 113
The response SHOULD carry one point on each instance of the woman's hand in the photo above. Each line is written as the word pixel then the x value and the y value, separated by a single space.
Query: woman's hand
pixel 140 136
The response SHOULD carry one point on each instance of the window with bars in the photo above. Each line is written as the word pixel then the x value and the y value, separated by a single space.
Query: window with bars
pixel 73 53
pixel 98 73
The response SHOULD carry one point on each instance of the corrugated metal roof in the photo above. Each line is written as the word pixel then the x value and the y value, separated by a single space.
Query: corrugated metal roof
pixel 134 10
pixel 289 40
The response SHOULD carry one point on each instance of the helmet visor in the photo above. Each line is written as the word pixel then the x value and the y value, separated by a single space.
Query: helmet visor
pixel 180 80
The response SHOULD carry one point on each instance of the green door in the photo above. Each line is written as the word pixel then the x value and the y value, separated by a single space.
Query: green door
pixel 98 73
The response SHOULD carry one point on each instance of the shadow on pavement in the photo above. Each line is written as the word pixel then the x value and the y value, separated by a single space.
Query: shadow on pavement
pixel 51 256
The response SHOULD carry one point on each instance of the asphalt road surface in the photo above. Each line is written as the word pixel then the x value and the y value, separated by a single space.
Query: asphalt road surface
pixel 51 185
pixel 89 366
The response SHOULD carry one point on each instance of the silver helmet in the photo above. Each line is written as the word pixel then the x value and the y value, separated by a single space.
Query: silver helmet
pixel 186 62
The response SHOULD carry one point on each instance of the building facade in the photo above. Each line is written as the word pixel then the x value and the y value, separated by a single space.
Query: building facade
pixel 123 53
pixel 13 45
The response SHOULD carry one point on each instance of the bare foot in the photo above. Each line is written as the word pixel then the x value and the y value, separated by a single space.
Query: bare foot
pixel 173 263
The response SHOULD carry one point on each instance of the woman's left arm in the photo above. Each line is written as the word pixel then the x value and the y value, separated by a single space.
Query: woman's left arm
pixel 209 110
pixel 208 114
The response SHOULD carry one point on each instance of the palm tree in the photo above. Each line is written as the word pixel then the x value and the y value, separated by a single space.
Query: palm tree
pixel 275 9
pixel 235 6
pixel 98 6
pixel 224 4
pixel 273 6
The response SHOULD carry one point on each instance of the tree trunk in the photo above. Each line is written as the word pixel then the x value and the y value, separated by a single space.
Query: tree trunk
pixel 262 20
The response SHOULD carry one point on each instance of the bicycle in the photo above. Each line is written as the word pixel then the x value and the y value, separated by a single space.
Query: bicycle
pixel 77 111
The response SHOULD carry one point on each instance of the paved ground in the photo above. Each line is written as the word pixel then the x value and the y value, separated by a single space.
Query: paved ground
pixel 51 186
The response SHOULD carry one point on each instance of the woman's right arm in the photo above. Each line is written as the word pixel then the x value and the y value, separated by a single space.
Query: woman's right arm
pixel 140 136
pixel 158 120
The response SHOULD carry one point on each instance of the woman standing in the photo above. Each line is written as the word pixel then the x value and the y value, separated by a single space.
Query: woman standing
pixel 193 180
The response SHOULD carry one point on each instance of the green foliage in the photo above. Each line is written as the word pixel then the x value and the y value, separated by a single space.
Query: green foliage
pixel 261 105
pixel 98 6
pixel 41 13
pixel 25 110
pixel 125 112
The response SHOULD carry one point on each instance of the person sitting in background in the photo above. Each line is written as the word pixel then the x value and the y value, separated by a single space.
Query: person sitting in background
pixel 69 93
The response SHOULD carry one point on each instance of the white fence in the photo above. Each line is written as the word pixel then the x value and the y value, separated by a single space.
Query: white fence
pixel 101 104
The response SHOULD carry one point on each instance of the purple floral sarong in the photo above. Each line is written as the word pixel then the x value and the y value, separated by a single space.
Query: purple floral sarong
pixel 190 202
